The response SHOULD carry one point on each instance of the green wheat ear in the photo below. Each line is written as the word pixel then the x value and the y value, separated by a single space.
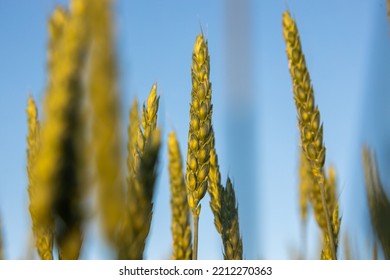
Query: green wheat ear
pixel 231 237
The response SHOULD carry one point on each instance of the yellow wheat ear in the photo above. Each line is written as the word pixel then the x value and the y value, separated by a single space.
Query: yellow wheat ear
pixel 199 135
pixel 311 129
pixel 143 148
pixel 181 228
pixel 105 110
pixel 57 199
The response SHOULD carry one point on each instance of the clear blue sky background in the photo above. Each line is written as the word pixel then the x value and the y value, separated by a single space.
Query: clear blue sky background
pixel 347 52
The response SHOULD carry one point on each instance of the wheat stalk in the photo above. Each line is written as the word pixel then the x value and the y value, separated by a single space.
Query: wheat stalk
pixel 232 241
pixel 199 136
pixel 311 129
pixel 181 228
pixel 378 202
pixel 104 98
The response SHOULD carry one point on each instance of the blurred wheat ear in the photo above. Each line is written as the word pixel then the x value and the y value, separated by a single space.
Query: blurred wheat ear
pixel 105 110
pixel 378 202
pixel 181 227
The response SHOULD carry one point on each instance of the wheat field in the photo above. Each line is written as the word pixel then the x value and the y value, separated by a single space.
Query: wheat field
pixel 146 138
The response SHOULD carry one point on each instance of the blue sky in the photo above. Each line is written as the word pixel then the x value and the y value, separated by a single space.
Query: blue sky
pixel 347 50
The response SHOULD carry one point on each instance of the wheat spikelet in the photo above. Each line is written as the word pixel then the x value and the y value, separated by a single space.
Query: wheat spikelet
pixel 133 129
pixel 181 228
pixel 104 98
pixel 310 126
pixel 305 186
pixel 215 188
pixel 232 241
pixel 199 136
pixel 378 202
pixel 149 114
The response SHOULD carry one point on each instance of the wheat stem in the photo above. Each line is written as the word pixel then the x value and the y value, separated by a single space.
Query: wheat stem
pixel 195 218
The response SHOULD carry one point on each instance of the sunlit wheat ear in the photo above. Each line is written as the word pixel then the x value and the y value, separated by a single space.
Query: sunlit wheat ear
pixel 105 110
pixel 199 135
pixel 378 201
pixel 231 237
pixel 181 228
pixel 310 126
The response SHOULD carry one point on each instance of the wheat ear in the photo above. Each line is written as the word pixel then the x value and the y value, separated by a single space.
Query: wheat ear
pixel 143 199
pixel 215 188
pixel 232 241
pixel 311 129
pixel 199 136
pixel 42 167
pixel 105 98
pixel 137 220
pixel 378 202
pixel 181 228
